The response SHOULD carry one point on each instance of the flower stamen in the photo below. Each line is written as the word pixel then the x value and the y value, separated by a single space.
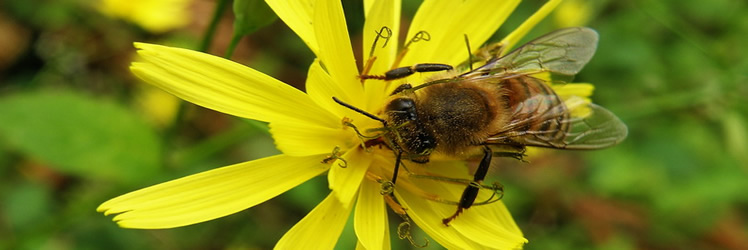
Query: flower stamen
pixel 335 155
pixel 403 232
pixel 370 62
pixel 420 36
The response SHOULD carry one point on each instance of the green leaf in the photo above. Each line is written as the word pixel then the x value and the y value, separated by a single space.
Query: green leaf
pixel 251 15
pixel 26 206
pixel 80 135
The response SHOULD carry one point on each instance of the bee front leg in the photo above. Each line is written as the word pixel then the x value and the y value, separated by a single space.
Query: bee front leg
pixel 471 191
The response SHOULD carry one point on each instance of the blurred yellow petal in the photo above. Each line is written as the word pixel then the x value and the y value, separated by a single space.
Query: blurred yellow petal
pixel 370 218
pixel 578 107
pixel 320 228
pixel 345 181
pixel 576 97
pixel 156 16
pixel 478 19
pixel 211 194
pixel 297 14
pixel 300 139
pixel 572 13
pixel 225 86
pixel 335 50
pixel 565 91
pixel 513 38
pixel 159 107
pixel 382 13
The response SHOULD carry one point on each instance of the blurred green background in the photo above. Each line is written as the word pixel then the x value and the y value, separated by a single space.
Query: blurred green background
pixel 76 128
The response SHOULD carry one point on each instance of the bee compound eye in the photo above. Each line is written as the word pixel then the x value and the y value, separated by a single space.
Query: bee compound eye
pixel 401 104
pixel 403 108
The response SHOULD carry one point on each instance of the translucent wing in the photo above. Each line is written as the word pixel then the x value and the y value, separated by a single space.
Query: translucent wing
pixel 563 53
pixel 581 125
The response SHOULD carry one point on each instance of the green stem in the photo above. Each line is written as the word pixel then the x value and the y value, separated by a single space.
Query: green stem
pixel 217 13
pixel 234 41
pixel 172 130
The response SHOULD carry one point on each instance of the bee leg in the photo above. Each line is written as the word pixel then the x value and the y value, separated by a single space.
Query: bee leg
pixel 389 186
pixel 516 155
pixel 402 72
pixel 471 191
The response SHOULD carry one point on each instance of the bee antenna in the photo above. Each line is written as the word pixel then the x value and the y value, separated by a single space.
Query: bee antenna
pixel 360 111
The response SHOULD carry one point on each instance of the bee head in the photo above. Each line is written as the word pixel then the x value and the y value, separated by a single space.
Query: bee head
pixel 409 132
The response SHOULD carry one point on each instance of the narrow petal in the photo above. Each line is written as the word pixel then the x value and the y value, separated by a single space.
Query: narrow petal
pixel 211 194
pixel 382 13
pixel 321 88
pixel 386 245
pixel 513 38
pixel 345 181
pixel 481 226
pixel 491 226
pixel 225 86
pixel 320 228
pixel 423 213
pixel 370 218
pixel 429 214
pixel 367 5
pixel 335 50
pixel 300 139
pixel 477 19
pixel 431 17
pixel 297 14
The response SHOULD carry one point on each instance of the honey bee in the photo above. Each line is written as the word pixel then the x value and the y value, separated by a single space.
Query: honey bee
pixel 496 109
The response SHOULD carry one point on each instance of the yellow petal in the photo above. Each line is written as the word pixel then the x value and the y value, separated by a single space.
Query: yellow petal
pixel 490 225
pixel 382 13
pixel 345 181
pixel 335 50
pixel 385 246
pixel 481 226
pixel 478 19
pixel 320 228
pixel 321 88
pixel 300 139
pixel 513 38
pixel 225 86
pixel 431 17
pixel 211 194
pixel 421 211
pixel 370 218
pixel 297 14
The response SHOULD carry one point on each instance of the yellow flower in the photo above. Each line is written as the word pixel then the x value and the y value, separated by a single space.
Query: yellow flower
pixel 153 15
pixel 308 128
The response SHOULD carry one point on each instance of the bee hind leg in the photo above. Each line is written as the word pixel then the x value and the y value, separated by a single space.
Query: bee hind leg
pixel 509 151
pixel 471 191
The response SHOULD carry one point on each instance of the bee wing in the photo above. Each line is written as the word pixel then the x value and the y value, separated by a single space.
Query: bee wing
pixel 574 125
pixel 563 53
